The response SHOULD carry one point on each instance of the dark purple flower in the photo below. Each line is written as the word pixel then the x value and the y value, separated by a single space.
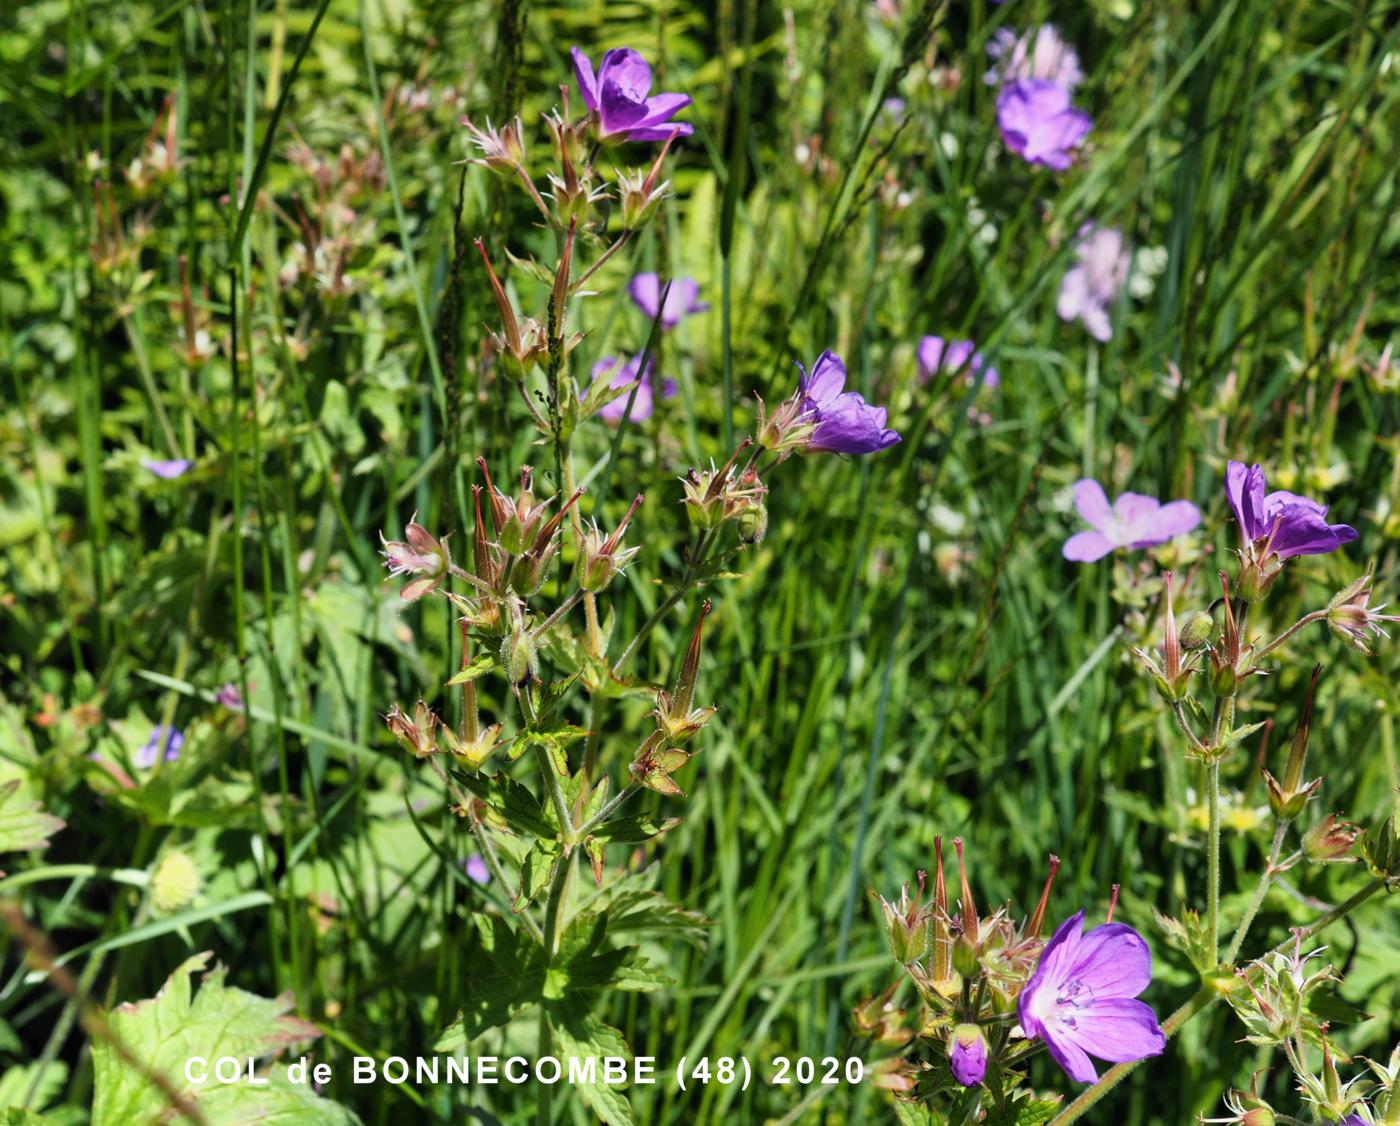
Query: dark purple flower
pixel 844 423
pixel 1081 998
pixel 937 354
pixel 618 98
pixel 476 868
pixel 1287 524
pixel 161 736
pixel 1353 1120
pixel 1090 287
pixel 1133 521
pixel 967 1055
pixel 170 469
pixel 1037 54
pixel 645 401
pixel 682 299
pixel 1039 123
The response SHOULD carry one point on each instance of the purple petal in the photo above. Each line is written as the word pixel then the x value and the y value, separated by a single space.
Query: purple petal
pixel 1113 960
pixel 646 292
pixel 628 71
pixel 1244 488
pixel 660 132
pixel 1130 508
pixel 1302 531
pixel 663 107
pixel 587 83
pixel 1118 1029
pixel 1039 123
pixel 930 355
pixel 1281 497
pixel 1087 547
pixel 850 425
pixel 618 109
pixel 1165 523
pixel 476 868
pixel 1071 1058
pixel 827 379
pixel 1092 503
pixel 168 470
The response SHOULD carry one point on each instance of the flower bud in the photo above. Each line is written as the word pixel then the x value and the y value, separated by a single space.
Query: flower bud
pixel 175 882
pixel 1331 841
pixel 967 1054
pixel 907 925
pixel 965 955
pixel 1223 680
pixel 417 735
pixel 502 150
pixel 640 200
pixel 421 555
pixel 518 654
pixel 1351 617
pixel 752 523
pixel 600 559
pixel 1197 631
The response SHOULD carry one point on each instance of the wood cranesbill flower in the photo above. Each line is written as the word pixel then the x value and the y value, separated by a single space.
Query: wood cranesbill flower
pixel 165 742
pixel 937 354
pixel 167 469
pixel 1040 53
pixel 1082 998
pixel 620 101
pixel 624 375
pixel 1091 286
pixel 1280 524
pixel 1133 521
pixel 682 299
pixel 841 421
pixel 1039 123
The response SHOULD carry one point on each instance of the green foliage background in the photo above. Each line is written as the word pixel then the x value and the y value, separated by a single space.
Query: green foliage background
pixel 908 655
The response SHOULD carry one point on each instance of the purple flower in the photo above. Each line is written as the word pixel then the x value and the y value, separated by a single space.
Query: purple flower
pixel 618 98
pixel 1353 1120
pixel 682 299
pixel 228 696
pixel 844 423
pixel 967 1055
pixel 169 470
pixel 161 736
pixel 1037 54
pixel 1093 283
pixel 476 868
pixel 1039 123
pixel 1132 521
pixel 1287 523
pixel 937 354
pixel 1081 998
pixel 645 401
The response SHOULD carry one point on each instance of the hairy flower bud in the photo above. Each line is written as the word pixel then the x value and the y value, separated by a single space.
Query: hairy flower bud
pixel 1197 631
pixel 599 559
pixel 174 883
pixel 418 734
pixel 1351 617
pixel 502 150
pixel 967 1054
pixel 518 654
pixel 907 925
pixel 1331 841
pixel 421 555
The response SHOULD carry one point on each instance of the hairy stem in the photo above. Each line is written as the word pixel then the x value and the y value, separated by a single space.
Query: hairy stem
pixel 1213 857
pixel 1305 620
pixel 1258 898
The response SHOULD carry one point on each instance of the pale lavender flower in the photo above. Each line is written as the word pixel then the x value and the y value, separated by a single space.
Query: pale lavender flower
pixel 1280 523
pixel 843 422
pixel 168 469
pixel 169 738
pixel 1081 1000
pixel 1039 123
pixel 937 354
pixel 620 99
pixel 1091 286
pixel 1036 54
pixel 645 402
pixel 476 868
pixel 229 696
pixel 1133 521
pixel 682 299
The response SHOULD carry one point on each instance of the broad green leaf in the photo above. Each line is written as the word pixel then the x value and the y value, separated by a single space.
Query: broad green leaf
pixel 1035 1112
pixel 634 830
pixel 536 872
pixel 23 825
pixel 516 805
pixel 474 671
pixel 508 973
pixel 15 1083
pixel 578 1033
pixel 168 1030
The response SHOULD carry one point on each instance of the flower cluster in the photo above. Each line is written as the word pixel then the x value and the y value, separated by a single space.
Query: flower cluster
pixel 1037 73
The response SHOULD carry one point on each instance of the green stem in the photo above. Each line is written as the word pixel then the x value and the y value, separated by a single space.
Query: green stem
pixel 1213 857
pixel 556 793
pixel 1306 620
pixel 607 811
pixel 1258 899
